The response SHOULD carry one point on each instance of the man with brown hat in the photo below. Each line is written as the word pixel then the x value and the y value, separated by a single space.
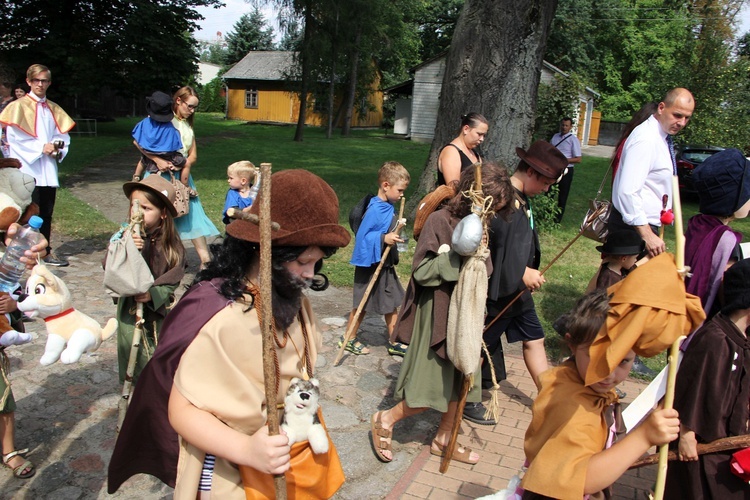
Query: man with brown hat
pixel 515 253
pixel 205 381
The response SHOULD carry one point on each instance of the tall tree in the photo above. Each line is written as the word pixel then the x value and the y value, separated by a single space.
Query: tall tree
pixel 250 32
pixel 494 71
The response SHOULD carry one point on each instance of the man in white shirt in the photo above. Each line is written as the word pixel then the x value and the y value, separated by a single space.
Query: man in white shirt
pixel 643 184
pixel 37 133
pixel 569 145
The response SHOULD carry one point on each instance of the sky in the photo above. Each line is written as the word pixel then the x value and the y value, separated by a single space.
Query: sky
pixel 223 19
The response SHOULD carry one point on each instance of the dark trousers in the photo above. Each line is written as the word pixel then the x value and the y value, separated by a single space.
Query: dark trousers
pixel 563 191
pixel 44 196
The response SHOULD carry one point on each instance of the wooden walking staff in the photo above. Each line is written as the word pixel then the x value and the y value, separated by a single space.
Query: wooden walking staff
pixel 589 221
pixel 136 219
pixel 661 475
pixel 266 314
pixel 370 285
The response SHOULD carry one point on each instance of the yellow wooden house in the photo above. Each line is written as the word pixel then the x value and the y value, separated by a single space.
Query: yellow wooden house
pixel 257 92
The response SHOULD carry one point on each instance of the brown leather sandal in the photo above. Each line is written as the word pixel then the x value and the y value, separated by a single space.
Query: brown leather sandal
pixel 381 437
pixel 459 456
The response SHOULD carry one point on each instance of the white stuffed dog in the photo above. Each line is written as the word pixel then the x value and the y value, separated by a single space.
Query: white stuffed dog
pixel 48 297
pixel 301 420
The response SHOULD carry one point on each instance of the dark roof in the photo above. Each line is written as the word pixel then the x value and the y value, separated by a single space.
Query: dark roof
pixel 262 65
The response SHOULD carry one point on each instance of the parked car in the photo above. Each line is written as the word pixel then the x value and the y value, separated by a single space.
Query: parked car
pixel 689 157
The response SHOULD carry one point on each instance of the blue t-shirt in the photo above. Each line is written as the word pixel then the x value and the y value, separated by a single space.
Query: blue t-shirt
pixel 368 241
pixel 234 200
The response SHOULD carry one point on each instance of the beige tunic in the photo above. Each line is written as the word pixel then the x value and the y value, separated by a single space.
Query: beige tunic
pixel 222 372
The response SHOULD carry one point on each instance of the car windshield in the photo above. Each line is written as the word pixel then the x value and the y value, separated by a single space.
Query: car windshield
pixel 696 156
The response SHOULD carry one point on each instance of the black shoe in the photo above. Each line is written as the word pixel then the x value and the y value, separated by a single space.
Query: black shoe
pixel 474 412
pixel 53 260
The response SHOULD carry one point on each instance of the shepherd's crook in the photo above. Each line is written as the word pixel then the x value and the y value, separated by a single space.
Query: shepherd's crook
pixel 353 322
pixel 266 313
pixel 136 218
pixel 661 474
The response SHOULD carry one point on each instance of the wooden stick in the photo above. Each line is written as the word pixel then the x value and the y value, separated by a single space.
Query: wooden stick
pixel 723 444
pixel 266 314
pixel 234 213
pixel 661 475
pixel 370 285
pixel 135 345
pixel 589 221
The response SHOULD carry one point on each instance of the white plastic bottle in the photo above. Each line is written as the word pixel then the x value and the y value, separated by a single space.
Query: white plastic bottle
pixel 11 267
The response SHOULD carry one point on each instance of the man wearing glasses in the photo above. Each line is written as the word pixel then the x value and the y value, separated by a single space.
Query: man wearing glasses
pixel 37 133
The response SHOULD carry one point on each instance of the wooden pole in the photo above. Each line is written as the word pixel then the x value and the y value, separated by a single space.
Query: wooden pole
pixel 266 314
pixel 135 345
pixel 661 475
pixel 370 285
pixel 723 444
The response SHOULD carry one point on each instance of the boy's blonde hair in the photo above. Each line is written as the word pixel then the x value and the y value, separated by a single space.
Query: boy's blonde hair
pixel 393 172
pixel 244 169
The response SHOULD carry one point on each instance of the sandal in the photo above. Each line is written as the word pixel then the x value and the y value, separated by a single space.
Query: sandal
pixel 397 349
pixel 383 437
pixel 459 456
pixel 354 346
pixel 25 466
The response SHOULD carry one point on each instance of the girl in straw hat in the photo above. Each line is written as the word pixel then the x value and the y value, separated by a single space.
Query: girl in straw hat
pixel 208 365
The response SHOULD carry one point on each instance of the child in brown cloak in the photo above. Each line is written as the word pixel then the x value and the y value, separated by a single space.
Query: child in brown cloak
pixel 712 395
pixel 567 441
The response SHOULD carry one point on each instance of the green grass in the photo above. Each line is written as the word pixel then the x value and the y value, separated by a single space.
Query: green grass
pixel 350 165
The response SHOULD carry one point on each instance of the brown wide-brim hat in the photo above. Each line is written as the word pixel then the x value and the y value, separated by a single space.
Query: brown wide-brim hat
pixel 157 185
pixel 306 209
pixel 544 158
pixel 649 310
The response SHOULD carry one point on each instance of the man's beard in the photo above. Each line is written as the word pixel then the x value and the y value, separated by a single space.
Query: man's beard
pixel 287 291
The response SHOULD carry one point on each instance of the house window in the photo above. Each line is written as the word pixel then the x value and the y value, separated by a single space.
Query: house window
pixel 251 98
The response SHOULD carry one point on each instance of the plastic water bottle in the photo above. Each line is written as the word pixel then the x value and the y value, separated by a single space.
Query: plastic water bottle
pixel 11 267
pixel 255 188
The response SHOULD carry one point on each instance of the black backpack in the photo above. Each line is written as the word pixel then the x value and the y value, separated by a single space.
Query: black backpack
pixel 358 212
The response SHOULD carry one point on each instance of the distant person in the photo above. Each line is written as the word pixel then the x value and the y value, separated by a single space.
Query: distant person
pixel 240 175
pixel 463 151
pixel 37 131
pixel 569 145
pixel 711 245
pixel 619 254
pixel 643 183
pixel 156 136
pixel 19 91
pixel 375 233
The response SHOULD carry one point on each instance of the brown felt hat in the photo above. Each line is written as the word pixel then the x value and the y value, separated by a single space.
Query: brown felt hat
pixel 544 158
pixel 304 206
pixel 158 185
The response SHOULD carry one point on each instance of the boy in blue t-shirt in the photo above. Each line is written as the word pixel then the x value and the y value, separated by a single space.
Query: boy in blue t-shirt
pixel 240 175
pixel 375 233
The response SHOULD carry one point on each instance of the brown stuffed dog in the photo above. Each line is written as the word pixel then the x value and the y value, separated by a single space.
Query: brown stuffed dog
pixel 15 206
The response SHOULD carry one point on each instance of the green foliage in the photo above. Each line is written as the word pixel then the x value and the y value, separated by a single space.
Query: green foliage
pixel 132 46
pixel 556 101
pixel 250 32
pixel 545 210
pixel 212 96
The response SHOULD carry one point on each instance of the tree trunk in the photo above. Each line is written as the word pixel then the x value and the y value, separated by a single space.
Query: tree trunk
pixel 493 68
pixel 306 67
pixel 354 69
